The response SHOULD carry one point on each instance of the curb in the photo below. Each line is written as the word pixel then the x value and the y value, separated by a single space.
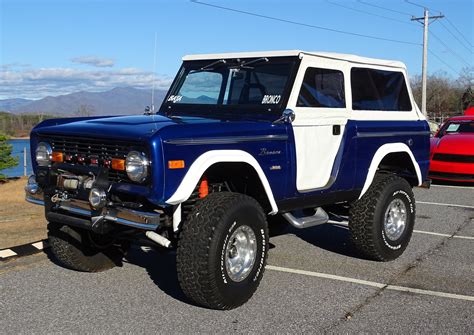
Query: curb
pixel 23 250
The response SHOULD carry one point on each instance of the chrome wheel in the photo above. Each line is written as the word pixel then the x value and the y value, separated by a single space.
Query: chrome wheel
pixel 240 254
pixel 395 219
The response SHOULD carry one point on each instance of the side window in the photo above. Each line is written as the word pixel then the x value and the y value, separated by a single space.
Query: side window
pixel 379 90
pixel 322 88
pixel 200 88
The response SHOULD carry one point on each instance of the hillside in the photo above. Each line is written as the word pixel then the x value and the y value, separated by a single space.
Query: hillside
pixel 11 104
pixel 120 100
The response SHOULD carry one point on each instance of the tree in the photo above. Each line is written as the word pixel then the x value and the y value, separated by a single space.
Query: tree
pixel 443 96
pixel 85 110
pixel 6 158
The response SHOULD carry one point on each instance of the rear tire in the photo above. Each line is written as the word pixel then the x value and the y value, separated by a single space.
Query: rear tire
pixel 74 248
pixel 381 222
pixel 221 229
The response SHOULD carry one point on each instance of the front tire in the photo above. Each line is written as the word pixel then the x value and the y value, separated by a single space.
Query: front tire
pixel 381 222
pixel 76 249
pixel 222 250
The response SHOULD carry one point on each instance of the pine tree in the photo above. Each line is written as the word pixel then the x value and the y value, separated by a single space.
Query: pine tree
pixel 6 158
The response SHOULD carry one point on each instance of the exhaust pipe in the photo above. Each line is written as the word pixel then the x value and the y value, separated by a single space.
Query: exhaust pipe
pixel 157 238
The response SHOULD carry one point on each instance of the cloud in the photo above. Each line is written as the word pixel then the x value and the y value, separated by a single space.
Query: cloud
pixel 31 83
pixel 94 61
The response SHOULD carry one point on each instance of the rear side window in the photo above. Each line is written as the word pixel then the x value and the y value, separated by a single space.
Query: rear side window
pixel 322 88
pixel 379 90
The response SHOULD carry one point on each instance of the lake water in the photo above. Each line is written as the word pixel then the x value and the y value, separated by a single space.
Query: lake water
pixel 18 146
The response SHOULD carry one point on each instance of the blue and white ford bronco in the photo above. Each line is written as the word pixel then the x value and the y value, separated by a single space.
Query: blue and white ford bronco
pixel 240 138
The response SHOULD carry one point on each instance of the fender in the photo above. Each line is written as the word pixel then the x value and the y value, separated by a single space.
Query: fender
pixel 203 162
pixel 383 151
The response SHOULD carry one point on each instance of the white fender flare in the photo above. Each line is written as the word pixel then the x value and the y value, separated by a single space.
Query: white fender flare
pixel 380 154
pixel 203 162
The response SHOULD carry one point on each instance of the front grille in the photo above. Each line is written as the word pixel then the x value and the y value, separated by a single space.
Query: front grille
pixel 454 158
pixel 82 150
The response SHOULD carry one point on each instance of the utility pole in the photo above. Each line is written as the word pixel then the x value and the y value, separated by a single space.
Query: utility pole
pixel 426 22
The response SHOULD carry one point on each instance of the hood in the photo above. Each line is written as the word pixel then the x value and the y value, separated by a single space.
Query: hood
pixel 458 144
pixel 135 127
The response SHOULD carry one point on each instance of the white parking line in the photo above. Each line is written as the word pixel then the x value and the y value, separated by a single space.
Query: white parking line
pixel 444 235
pixel 452 186
pixel 443 204
pixel 371 283
pixel 345 223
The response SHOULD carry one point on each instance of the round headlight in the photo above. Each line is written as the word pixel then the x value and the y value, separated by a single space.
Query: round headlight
pixel 97 198
pixel 136 165
pixel 43 154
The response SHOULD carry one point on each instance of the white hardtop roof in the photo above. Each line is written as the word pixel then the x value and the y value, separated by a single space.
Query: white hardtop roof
pixel 287 53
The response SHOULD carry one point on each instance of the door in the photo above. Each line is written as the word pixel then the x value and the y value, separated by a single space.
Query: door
pixel 319 102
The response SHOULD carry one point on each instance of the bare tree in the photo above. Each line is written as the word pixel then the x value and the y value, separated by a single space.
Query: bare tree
pixel 85 110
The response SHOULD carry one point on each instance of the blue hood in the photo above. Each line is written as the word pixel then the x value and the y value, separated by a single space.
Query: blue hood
pixel 136 127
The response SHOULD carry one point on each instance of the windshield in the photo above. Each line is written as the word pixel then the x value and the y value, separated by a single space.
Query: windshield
pixel 259 84
pixel 458 128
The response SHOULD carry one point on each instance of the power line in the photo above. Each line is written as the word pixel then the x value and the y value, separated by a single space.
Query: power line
pixel 457 38
pixel 460 33
pixel 304 24
pixel 449 49
pixel 368 13
pixel 415 4
pixel 443 61
pixel 447 19
pixel 384 8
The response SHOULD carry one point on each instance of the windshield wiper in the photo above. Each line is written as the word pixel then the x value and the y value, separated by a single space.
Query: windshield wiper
pixel 258 60
pixel 208 66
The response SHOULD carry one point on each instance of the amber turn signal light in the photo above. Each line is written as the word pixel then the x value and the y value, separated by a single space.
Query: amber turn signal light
pixel 118 164
pixel 176 164
pixel 57 157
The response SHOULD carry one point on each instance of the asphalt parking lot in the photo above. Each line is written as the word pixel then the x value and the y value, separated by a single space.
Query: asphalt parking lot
pixel 314 282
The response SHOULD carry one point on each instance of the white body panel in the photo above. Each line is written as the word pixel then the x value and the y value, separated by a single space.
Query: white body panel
pixel 316 146
pixel 203 162
pixel 383 151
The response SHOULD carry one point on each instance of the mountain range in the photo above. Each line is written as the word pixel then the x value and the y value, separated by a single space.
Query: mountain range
pixel 118 101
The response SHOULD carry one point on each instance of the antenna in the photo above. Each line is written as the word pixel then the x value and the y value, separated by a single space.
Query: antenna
pixel 153 79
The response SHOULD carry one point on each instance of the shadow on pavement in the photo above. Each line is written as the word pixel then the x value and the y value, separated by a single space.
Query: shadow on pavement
pixel 161 267
pixel 331 237
pixel 452 183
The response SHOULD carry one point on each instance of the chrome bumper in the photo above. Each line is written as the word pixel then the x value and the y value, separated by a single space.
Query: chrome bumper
pixel 119 215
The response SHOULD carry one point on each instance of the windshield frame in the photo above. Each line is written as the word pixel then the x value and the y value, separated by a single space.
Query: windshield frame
pixel 232 111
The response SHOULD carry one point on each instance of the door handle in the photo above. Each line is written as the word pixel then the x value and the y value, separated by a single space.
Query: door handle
pixel 336 129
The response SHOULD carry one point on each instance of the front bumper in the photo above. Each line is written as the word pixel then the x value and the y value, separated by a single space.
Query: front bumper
pixel 79 213
pixel 451 171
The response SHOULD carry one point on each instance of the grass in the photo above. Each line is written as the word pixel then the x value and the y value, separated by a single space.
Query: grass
pixel 20 221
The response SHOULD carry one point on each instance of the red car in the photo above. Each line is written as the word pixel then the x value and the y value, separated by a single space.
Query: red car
pixel 452 151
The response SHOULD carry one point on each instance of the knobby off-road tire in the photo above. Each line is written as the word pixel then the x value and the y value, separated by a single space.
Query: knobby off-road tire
pixel 208 235
pixel 74 249
pixel 371 218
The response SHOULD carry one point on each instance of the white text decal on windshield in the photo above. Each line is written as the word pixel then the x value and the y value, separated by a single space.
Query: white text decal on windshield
pixel 271 99
pixel 175 98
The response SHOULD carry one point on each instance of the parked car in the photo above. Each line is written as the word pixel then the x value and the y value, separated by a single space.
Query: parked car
pixel 239 137
pixel 452 151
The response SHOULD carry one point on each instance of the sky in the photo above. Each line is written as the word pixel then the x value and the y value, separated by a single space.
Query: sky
pixel 52 47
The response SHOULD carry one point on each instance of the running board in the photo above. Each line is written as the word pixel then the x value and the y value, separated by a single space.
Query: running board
pixel 319 217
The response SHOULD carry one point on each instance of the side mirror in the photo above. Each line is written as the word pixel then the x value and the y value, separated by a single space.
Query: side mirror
pixel 147 110
pixel 288 116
